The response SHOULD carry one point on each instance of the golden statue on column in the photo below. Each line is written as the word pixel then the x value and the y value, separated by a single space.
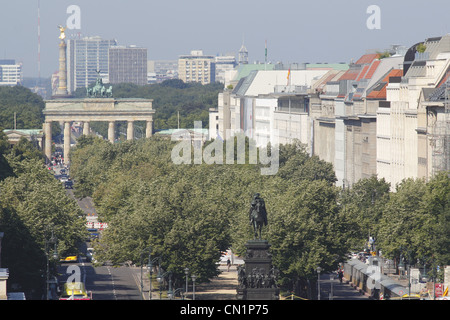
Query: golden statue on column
pixel 62 87
pixel 62 35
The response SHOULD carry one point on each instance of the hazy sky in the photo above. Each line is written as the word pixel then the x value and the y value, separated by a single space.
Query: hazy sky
pixel 295 30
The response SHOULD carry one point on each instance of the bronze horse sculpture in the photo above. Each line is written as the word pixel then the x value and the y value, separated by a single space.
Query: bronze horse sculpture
pixel 258 215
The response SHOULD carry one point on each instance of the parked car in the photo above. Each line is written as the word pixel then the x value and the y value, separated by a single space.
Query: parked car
pixel 90 255
pixel 93 234
pixel 68 184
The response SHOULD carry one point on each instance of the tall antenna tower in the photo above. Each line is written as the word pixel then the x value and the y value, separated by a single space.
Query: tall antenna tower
pixel 39 39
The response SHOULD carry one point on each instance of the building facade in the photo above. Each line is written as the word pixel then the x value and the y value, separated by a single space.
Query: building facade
pixel 197 67
pixel 10 72
pixel 223 65
pixel 128 65
pixel 84 58
pixel 161 70
pixel 413 126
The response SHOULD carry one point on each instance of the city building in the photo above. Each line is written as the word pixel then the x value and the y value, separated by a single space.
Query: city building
pixel 197 67
pixel 413 127
pixel 267 105
pixel 86 57
pixel 161 70
pixel 224 65
pixel 33 135
pixel 10 72
pixel 128 64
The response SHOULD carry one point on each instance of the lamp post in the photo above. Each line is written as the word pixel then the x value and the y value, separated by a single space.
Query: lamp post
pixel 148 266
pixel 186 272
pixel 193 277
pixel 52 240
pixel 331 283
pixel 160 279
pixel 173 294
pixel 319 269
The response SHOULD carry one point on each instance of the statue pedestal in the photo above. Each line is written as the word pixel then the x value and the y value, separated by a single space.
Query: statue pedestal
pixel 257 280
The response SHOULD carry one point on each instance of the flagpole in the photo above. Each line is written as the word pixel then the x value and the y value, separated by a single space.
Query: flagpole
pixel 265 58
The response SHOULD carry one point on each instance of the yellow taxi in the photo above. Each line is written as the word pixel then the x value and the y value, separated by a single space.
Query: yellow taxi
pixel 75 291
pixel 69 258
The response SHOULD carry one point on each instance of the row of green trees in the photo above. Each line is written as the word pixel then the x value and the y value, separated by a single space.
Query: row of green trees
pixel 189 213
pixel 22 108
pixel 33 204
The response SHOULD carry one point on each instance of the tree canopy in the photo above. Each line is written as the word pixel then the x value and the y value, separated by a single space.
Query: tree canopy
pixel 190 213
pixel 32 205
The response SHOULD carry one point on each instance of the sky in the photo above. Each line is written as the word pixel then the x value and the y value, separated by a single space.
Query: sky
pixel 295 31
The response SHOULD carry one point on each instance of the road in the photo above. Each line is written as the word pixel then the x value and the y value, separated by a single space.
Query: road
pixel 105 282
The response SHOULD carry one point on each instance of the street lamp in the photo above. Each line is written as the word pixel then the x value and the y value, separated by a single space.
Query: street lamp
pixel 193 277
pixel 319 269
pixel 186 272
pixel 142 276
pixel 53 240
pixel 173 294
pixel 160 279
pixel 150 267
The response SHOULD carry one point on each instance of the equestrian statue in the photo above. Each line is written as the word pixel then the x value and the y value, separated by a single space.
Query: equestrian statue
pixel 258 215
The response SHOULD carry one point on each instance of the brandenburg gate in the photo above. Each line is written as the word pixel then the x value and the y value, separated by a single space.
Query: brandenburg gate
pixel 98 105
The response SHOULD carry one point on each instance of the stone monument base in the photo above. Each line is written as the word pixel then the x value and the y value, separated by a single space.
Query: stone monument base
pixel 257 279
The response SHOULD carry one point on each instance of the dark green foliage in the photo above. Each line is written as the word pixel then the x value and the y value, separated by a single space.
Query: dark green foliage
pixel 31 202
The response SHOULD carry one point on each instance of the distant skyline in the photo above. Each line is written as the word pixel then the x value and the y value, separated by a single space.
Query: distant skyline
pixel 296 31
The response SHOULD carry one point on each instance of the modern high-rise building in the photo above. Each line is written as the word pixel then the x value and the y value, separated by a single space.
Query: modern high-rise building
pixel 10 72
pixel 197 67
pixel 128 65
pixel 224 64
pixel 86 57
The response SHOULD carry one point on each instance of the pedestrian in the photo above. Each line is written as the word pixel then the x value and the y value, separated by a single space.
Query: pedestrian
pixel 340 275
pixel 228 264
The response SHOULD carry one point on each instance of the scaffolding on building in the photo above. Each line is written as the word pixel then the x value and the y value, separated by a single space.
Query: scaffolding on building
pixel 441 132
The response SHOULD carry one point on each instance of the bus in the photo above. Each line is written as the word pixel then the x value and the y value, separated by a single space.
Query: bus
pixel 75 291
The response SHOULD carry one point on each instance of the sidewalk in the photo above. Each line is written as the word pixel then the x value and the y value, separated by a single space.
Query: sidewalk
pixel 222 287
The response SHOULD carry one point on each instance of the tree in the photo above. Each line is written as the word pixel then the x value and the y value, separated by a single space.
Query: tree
pixel 31 203
pixel 400 225
pixel 189 214
pixel 363 204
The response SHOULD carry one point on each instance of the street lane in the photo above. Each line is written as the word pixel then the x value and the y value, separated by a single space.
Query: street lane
pixel 105 282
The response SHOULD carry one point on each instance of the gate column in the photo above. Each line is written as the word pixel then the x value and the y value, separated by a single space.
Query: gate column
pixel 130 130
pixel 111 128
pixel 66 142
pixel 48 139
pixel 86 128
pixel 149 129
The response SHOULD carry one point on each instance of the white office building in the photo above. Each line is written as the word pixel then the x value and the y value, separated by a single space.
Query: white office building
pixel 84 58
pixel 10 72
